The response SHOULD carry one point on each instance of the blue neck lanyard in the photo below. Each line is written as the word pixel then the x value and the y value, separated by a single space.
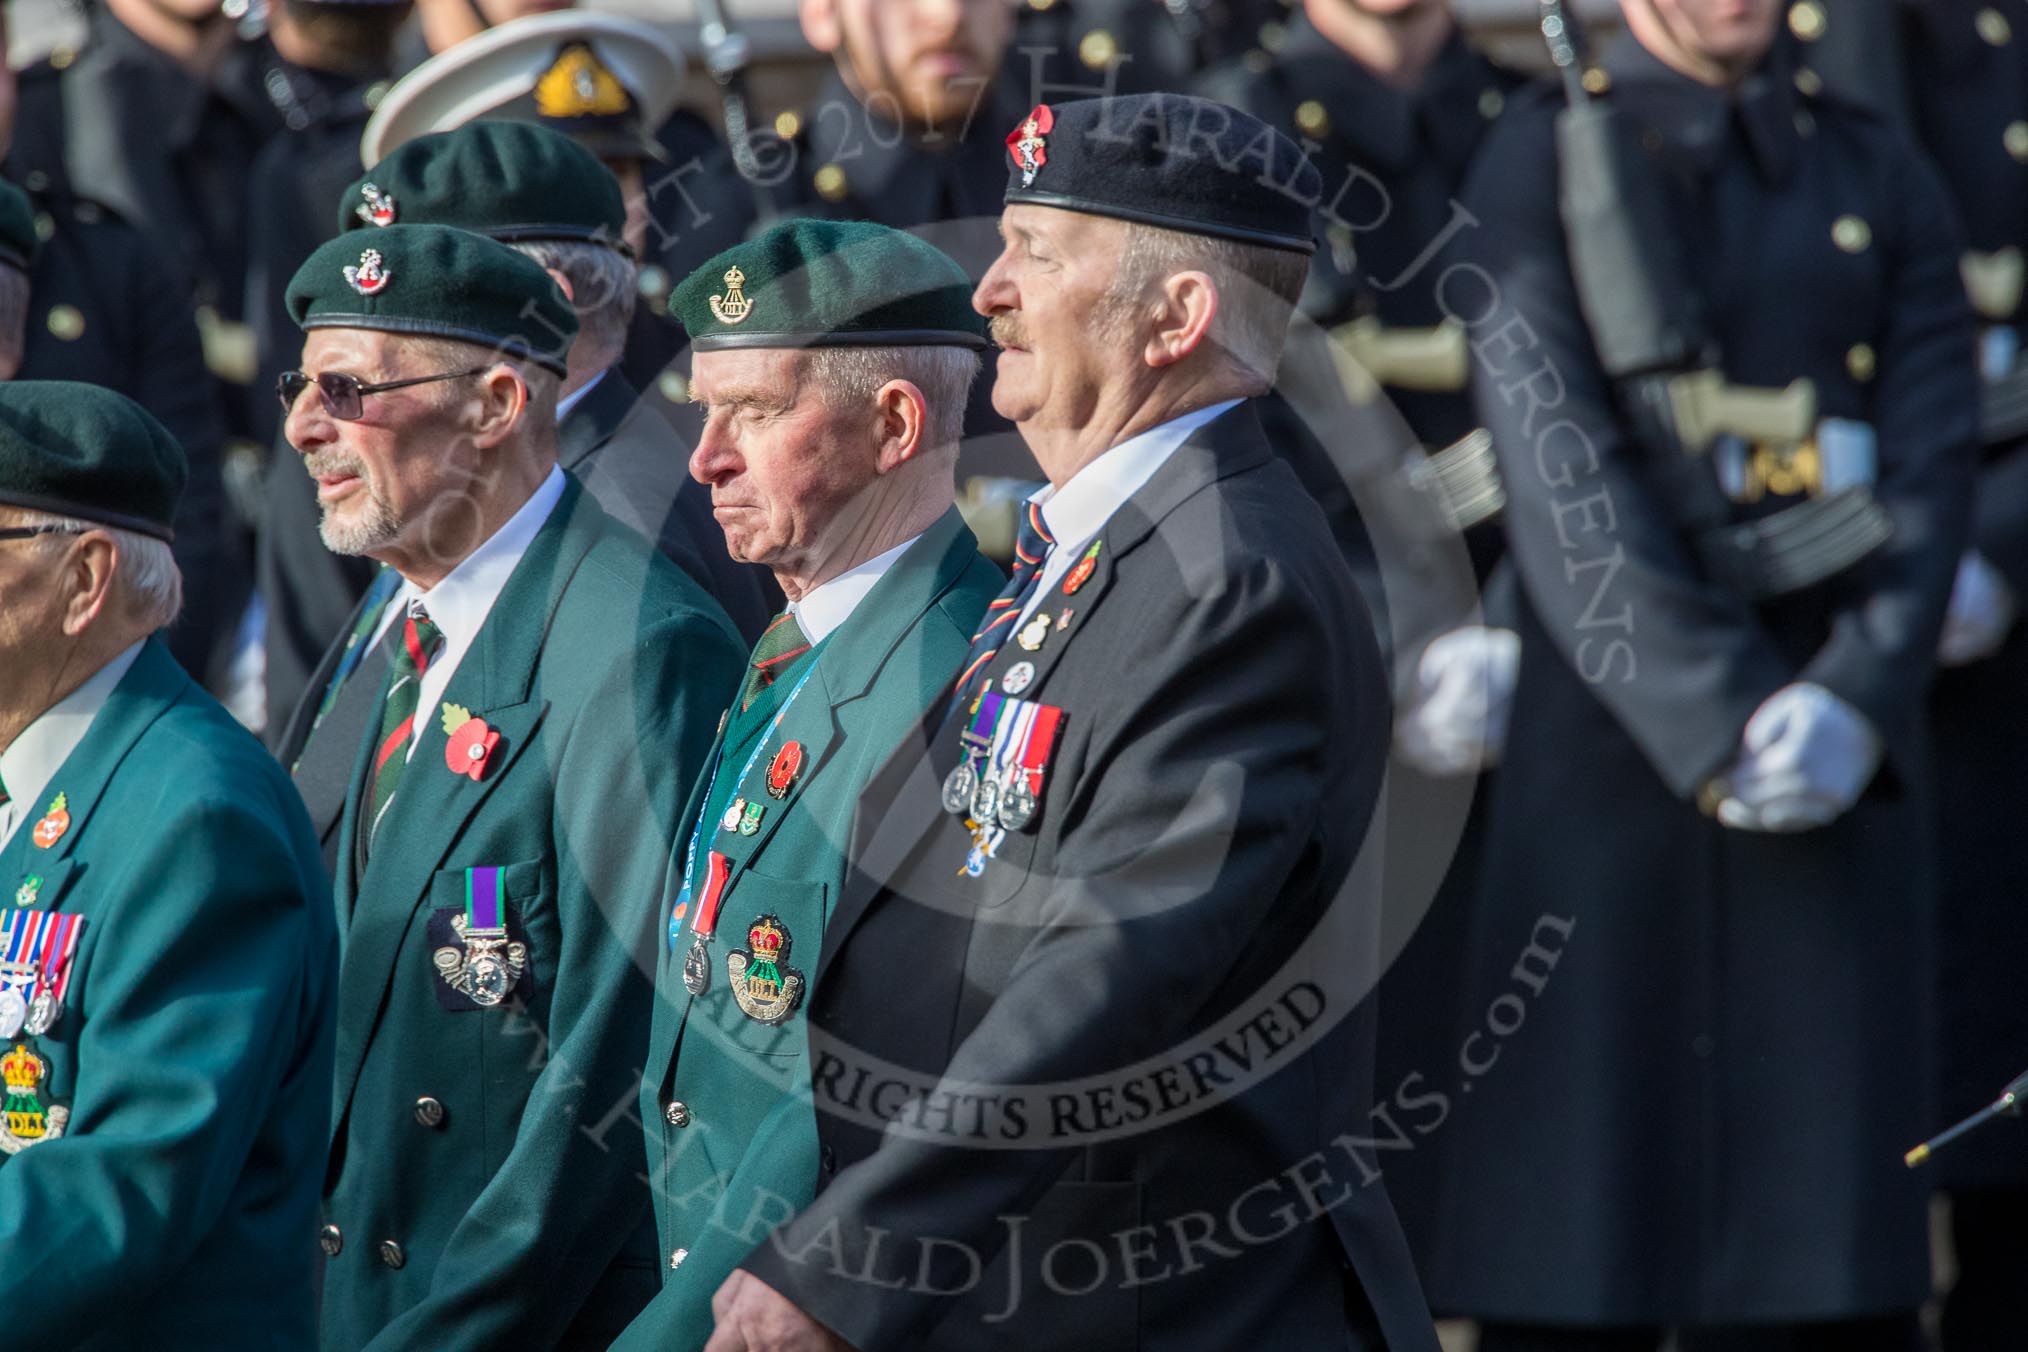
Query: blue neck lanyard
pixel 681 909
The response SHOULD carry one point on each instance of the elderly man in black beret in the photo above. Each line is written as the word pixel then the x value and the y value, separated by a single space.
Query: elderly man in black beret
pixel 1088 1043
pixel 167 955
pixel 548 691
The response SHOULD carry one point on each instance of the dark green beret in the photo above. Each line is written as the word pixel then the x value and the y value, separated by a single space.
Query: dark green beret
pixel 510 180
pixel 17 227
pixel 807 283
pixel 84 451
pixel 1172 160
pixel 435 281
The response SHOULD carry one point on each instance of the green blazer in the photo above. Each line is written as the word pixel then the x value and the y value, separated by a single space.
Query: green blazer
pixel 194 1048
pixel 745 1156
pixel 484 1187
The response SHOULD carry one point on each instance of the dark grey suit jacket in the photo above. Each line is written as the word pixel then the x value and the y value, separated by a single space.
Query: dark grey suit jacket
pixel 1226 721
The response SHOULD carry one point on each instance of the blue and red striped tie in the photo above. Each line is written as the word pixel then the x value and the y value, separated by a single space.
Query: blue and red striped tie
pixel 1032 546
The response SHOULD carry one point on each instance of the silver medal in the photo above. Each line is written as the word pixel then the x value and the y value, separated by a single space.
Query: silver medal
pixel 43 1012
pixel 985 802
pixel 697 968
pixel 13 1012
pixel 958 787
pixel 1017 805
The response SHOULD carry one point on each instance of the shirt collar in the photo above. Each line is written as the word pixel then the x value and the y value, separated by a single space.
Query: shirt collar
pixel 27 766
pixel 1078 510
pixel 1698 123
pixel 458 605
pixel 825 607
pixel 576 396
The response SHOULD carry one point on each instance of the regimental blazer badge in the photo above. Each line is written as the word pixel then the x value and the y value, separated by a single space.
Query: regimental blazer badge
pixel 764 986
pixel 27 1117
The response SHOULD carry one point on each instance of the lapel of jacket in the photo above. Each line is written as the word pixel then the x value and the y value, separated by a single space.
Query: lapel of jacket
pixel 433 804
pixel 900 805
pixel 150 686
pixel 343 653
pixel 592 422
pixel 846 670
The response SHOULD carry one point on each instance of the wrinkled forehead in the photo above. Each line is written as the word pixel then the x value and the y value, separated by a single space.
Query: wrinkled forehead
pixel 747 374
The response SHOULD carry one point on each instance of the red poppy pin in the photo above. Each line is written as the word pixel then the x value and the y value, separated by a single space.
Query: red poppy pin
pixel 471 742
pixel 788 763
pixel 53 824
pixel 1081 574
pixel 1028 143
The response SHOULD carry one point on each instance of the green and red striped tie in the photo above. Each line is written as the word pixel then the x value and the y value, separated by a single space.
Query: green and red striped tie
pixel 780 645
pixel 417 641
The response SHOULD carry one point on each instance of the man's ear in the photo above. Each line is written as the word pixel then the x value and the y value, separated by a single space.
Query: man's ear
pixel 88 580
pixel 563 285
pixel 902 415
pixel 1185 305
pixel 821 27
pixel 503 400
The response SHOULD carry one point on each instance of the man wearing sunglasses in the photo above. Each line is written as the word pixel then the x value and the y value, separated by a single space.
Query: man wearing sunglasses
pixel 167 958
pixel 550 689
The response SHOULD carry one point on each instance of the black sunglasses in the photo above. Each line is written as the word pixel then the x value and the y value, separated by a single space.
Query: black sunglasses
pixel 342 393
pixel 30 532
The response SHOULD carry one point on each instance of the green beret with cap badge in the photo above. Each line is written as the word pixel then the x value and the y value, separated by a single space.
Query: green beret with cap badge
pixel 812 283
pixel 439 282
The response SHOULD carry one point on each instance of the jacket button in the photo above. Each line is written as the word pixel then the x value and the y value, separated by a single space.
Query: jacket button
pixel 330 1239
pixel 827 1160
pixel 429 1111
pixel 676 1259
pixel 676 1113
pixel 391 1254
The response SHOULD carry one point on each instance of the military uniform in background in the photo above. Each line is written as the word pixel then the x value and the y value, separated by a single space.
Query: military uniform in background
pixel 1394 161
pixel 1154 44
pixel 1698 1050
pixel 1968 68
pixel 105 305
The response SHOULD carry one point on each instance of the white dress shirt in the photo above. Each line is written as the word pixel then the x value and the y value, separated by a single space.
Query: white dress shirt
pixel 459 604
pixel 826 606
pixel 1078 511
pixel 27 766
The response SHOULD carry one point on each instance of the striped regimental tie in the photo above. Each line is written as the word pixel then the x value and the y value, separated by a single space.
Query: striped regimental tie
pixel 1032 545
pixel 780 645
pixel 419 641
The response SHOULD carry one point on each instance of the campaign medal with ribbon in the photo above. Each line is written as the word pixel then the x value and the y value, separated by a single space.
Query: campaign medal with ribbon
pixel 485 965
pixel 764 986
pixel 35 953
pixel 1034 738
pixel 976 737
pixel 52 971
pixel 54 822
pixel 697 962
pixel 26 1115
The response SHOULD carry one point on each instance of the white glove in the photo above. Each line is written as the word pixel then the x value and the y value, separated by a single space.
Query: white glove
pixel 1804 759
pixel 1981 611
pixel 1455 721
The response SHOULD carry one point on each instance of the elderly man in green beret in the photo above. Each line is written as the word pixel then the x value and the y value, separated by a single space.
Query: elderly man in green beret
pixel 832 364
pixel 543 195
pixel 550 692
pixel 167 955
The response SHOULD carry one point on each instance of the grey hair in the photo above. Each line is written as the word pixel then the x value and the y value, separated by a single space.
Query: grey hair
pixel 453 353
pixel 153 584
pixel 1257 290
pixel 848 375
pixel 603 286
